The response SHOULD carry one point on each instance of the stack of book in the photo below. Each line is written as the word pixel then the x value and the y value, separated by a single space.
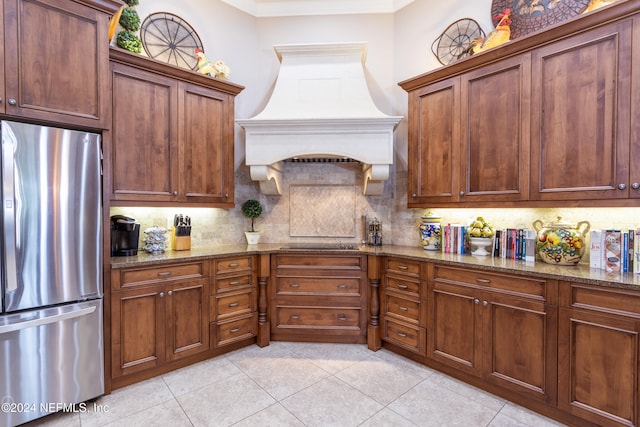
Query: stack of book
pixel 455 239
pixel 515 243
pixel 615 251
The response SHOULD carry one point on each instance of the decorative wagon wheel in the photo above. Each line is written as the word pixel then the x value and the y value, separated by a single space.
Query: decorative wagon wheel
pixel 455 40
pixel 169 38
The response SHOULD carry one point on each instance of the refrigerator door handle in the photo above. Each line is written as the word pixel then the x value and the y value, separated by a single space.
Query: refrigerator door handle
pixel 8 205
pixel 46 320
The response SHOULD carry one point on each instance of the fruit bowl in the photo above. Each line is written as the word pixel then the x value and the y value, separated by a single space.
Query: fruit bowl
pixel 479 245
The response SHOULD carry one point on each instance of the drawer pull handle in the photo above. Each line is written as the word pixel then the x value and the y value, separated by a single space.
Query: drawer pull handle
pixel 234 304
pixel 235 282
pixel 343 286
pixel 343 318
pixel 164 273
pixel 482 280
pixel 401 308
pixel 234 330
pixel 294 285
pixel 401 334
pixel 294 317
pixel 233 264
pixel 401 286
pixel 403 267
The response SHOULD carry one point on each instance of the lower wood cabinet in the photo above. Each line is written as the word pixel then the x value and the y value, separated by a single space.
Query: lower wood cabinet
pixel 233 300
pixel 500 328
pixel 319 298
pixel 599 354
pixel 158 315
pixel 403 304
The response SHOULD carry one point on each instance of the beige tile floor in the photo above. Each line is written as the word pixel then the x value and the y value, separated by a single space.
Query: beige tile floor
pixel 302 384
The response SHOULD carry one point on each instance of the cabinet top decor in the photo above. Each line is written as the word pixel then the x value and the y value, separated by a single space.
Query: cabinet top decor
pixel 578 24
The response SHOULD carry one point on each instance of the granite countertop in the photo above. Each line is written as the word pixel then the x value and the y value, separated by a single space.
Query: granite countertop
pixel 578 273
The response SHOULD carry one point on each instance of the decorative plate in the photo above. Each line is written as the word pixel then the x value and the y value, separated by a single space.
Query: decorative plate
pixel 169 38
pixel 528 16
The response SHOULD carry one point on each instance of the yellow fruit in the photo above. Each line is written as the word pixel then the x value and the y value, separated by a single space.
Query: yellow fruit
pixel 477 224
pixel 476 232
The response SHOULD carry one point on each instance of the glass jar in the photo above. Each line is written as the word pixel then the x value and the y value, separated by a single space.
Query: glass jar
pixel 431 232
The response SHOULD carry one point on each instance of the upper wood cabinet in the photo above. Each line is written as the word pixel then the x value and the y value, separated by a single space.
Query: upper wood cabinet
pixel 580 116
pixel 172 135
pixel 469 136
pixel 56 61
pixel 548 118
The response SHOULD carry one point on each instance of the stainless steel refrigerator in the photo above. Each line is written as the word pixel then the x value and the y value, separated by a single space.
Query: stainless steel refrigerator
pixel 51 345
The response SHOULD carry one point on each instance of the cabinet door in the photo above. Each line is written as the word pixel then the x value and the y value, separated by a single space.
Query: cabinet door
pixel 519 345
pixel 206 148
pixel 634 156
pixel 495 119
pixel 143 135
pixel 598 367
pixel 434 144
pixel 580 116
pixel 56 62
pixel 3 98
pixel 456 335
pixel 137 330
pixel 187 319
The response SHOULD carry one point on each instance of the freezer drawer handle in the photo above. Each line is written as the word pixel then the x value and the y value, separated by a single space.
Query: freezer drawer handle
pixel 46 320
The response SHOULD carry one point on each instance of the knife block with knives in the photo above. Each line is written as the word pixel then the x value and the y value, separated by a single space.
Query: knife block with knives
pixel 181 233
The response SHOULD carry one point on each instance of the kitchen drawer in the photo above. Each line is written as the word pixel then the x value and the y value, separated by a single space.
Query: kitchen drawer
pixel 233 283
pixel 233 265
pixel 230 331
pixel 320 262
pixel 402 266
pixel 524 286
pixel 318 317
pixel 406 309
pixel 232 305
pixel 318 286
pixel 407 336
pixel 142 276
pixel 404 285
pixel 606 300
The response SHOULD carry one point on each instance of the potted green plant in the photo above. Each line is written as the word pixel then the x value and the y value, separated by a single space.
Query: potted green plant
pixel 252 209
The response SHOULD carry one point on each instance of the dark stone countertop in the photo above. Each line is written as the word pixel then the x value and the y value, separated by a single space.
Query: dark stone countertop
pixel 578 273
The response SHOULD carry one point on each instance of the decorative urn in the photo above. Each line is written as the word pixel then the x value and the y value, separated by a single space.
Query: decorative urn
pixel 431 232
pixel 561 243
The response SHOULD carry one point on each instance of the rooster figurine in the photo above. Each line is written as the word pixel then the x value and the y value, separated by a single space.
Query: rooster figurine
pixel 500 35
pixel 216 69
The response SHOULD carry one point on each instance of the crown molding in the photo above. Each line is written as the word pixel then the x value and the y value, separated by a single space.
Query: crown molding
pixel 274 8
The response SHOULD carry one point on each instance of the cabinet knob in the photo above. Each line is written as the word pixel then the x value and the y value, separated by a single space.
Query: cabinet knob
pixel 175 193
pixel 485 303
pixel 12 101
pixel 414 195
pixel 635 185
pixel 226 195
pixel 462 193
pixel 0 99
pixel 622 186
pixel 161 295
pixel 170 293
pixel 476 301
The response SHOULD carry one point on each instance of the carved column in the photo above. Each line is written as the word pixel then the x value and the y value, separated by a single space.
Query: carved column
pixel 264 327
pixel 374 340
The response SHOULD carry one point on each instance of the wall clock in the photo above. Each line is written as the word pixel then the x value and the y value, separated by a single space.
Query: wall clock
pixel 169 38
pixel 532 15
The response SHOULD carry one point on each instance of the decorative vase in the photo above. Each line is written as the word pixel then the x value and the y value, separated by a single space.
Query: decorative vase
pixel 561 243
pixel 479 245
pixel 431 232
pixel 253 237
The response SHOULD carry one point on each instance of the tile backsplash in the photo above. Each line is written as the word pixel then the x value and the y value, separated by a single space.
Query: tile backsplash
pixel 340 186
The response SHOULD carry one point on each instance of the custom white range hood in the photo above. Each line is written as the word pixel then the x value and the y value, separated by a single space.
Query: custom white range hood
pixel 320 108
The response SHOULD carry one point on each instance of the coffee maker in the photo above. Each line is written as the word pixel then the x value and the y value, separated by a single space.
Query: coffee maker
pixel 125 233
